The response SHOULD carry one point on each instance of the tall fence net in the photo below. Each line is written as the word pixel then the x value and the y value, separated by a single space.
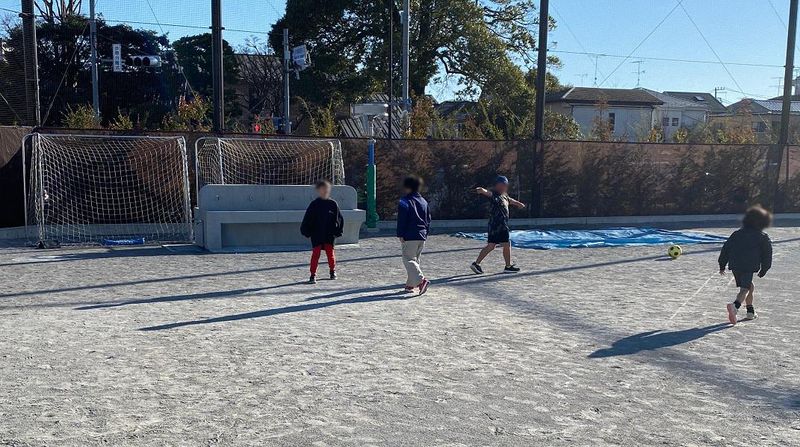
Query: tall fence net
pixel 577 179
pixel 268 161
pixel 95 189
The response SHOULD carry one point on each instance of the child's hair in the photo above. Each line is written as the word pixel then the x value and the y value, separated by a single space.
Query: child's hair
pixel 321 183
pixel 413 183
pixel 757 217
pixel 501 179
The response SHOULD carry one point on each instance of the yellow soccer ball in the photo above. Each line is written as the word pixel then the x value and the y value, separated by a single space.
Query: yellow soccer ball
pixel 674 251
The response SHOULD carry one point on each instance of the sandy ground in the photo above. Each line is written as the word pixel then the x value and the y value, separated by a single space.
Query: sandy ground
pixel 172 347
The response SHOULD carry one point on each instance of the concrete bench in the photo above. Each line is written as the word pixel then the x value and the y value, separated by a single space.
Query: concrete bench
pixel 265 217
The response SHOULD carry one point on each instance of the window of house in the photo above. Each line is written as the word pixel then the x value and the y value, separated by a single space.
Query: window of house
pixel 612 121
pixel 675 122
pixel 665 122
pixel 760 127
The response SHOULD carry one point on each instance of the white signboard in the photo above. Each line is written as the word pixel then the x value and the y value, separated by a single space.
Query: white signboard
pixel 116 50
pixel 300 57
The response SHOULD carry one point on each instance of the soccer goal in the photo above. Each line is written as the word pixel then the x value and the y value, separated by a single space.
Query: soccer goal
pixel 89 189
pixel 267 161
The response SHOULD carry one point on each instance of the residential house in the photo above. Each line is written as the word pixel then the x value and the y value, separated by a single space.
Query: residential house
pixel 630 113
pixel 352 126
pixel 764 116
pixel 676 113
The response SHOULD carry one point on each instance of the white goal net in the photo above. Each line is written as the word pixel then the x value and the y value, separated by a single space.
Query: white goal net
pixel 268 161
pixel 109 189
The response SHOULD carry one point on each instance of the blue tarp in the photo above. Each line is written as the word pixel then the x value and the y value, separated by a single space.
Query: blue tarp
pixel 123 242
pixel 609 237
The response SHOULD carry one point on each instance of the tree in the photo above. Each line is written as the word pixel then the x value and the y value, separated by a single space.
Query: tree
pixel 261 72
pixel 467 39
pixel 194 56
pixel 52 11
pixel 65 77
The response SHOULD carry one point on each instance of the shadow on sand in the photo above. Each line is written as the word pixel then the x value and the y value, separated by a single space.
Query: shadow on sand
pixel 652 340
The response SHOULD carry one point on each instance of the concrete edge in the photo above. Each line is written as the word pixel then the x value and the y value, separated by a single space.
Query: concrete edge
pixel 696 220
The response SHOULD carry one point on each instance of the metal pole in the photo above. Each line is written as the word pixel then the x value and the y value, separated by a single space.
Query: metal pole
pixel 783 140
pixel 390 4
pixel 541 69
pixel 406 32
pixel 95 74
pixel 216 66
pixel 372 192
pixel 287 121
pixel 30 51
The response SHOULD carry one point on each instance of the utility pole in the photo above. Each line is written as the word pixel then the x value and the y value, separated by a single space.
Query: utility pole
pixel 30 50
pixel 95 74
pixel 287 122
pixel 541 85
pixel 541 70
pixel 216 66
pixel 716 92
pixel 791 41
pixel 390 4
pixel 406 32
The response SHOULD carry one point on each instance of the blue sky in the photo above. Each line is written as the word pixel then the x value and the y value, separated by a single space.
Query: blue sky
pixel 738 31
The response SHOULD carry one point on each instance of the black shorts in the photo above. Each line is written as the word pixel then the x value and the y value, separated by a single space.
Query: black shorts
pixel 499 237
pixel 743 279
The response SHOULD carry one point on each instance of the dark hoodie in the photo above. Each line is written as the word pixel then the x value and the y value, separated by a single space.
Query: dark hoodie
pixel 323 222
pixel 747 250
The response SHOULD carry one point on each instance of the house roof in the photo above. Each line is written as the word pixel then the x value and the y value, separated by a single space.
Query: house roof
pixel 713 104
pixel 673 101
pixel 764 106
pixel 450 108
pixel 613 96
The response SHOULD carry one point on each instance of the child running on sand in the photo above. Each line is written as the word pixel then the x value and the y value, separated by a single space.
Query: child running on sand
pixel 322 224
pixel 498 224
pixel 747 250
pixel 413 225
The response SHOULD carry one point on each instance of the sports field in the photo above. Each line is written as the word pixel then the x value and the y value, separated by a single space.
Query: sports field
pixel 607 346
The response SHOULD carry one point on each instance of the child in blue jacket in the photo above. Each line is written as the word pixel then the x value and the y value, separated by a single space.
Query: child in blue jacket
pixel 413 225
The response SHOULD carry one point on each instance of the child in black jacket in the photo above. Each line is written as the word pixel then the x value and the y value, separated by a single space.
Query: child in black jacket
pixel 322 224
pixel 747 250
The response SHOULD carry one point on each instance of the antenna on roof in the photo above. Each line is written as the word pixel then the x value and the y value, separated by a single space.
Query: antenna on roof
pixel 639 72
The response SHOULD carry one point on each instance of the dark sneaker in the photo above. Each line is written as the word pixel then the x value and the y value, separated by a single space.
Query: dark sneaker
pixel 423 286
pixel 312 279
pixel 511 269
pixel 333 274
pixel 476 268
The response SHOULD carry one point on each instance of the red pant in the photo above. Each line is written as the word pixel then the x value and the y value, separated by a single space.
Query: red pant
pixel 315 254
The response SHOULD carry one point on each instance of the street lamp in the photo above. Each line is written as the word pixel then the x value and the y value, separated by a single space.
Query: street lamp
pixel 371 114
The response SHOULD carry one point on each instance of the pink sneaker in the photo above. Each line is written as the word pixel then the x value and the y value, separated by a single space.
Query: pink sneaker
pixel 423 286
pixel 408 289
pixel 732 310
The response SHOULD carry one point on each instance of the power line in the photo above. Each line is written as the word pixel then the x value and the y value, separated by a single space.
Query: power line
pixel 642 42
pixel 10 10
pixel 580 44
pixel 668 59
pixel 689 16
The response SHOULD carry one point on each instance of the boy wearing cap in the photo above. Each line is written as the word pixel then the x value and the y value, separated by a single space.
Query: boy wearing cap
pixel 498 224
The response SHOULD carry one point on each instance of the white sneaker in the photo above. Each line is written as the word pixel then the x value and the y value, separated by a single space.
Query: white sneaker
pixel 732 310
pixel 751 315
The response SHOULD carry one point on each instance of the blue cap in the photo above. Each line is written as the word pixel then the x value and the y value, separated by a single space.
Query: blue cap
pixel 501 179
